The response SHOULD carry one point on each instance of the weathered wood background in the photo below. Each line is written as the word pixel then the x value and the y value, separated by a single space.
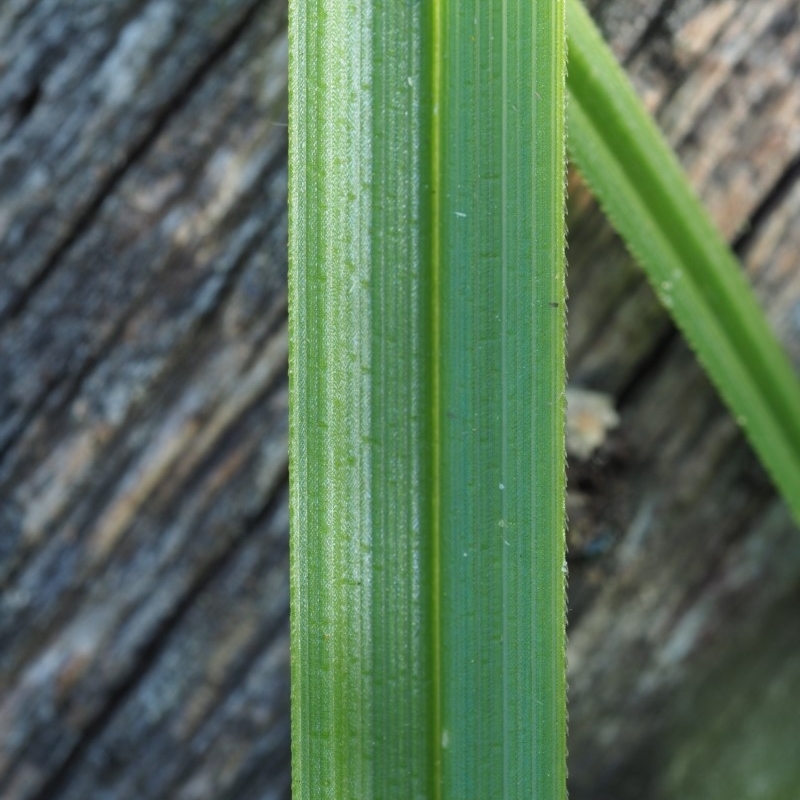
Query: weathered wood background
pixel 143 519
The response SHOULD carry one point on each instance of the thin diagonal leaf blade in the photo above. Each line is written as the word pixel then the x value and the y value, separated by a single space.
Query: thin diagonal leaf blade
pixel 641 187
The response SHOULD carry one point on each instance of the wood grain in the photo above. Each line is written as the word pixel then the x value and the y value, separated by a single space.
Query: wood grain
pixel 143 519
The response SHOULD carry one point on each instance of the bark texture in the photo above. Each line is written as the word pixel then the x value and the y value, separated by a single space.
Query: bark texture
pixel 143 518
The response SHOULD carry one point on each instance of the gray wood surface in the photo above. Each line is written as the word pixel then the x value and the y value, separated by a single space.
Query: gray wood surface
pixel 143 518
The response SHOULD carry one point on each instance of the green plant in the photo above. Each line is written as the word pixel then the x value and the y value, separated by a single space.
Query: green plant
pixel 640 185
pixel 427 376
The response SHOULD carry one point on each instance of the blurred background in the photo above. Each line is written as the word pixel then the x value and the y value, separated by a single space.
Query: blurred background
pixel 143 416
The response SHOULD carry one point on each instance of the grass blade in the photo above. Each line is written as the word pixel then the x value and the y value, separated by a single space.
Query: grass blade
pixel 427 379
pixel 363 701
pixel 640 185
pixel 500 328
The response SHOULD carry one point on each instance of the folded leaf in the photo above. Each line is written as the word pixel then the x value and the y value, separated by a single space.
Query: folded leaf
pixel 427 399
